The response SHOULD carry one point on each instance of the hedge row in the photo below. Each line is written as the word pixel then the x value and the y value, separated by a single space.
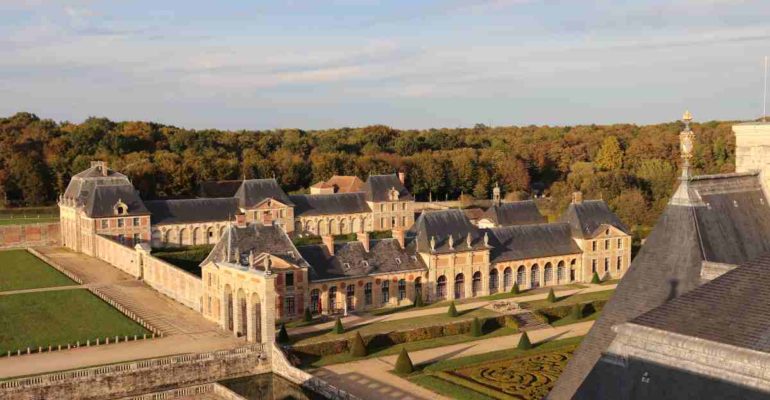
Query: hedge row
pixel 556 313
pixel 382 340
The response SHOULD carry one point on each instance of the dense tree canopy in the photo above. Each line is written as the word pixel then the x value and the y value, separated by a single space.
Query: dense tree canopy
pixel 633 167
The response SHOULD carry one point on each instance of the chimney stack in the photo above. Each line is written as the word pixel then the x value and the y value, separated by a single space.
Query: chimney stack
pixel 101 165
pixel 363 237
pixel 577 197
pixel 328 241
pixel 240 220
pixel 402 177
pixel 400 236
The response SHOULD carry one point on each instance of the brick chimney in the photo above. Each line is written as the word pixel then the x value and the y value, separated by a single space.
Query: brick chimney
pixel 577 197
pixel 363 237
pixel 402 177
pixel 328 241
pixel 240 220
pixel 400 236
pixel 101 165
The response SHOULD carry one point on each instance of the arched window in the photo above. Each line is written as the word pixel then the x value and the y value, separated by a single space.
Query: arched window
pixel 315 301
pixel 572 270
pixel 521 276
pixel 332 299
pixel 493 281
pixel 402 289
pixel 368 294
pixel 441 287
pixel 417 287
pixel 507 278
pixel 535 276
pixel 459 286
pixel 476 284
pixel 548 272
pixel 560 272
pixel 350 300
pixel 385 292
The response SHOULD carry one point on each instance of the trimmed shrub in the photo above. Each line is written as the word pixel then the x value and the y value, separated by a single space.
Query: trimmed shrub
pixel 524 343
pixel 308 316
pixel 338 328
pixel 452 311
pixel 283 336
pixel 595 279
pixel 475 327
pixel 404 363
pixel 357 346
pixel 515 289
pixel 512 322
pixel 418 301
pixel 551 296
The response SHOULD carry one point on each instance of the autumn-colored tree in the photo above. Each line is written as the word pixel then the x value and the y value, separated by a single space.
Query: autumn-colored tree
pixel 610 155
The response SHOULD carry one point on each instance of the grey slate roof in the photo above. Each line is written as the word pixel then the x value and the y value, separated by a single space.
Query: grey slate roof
pixel 192 210
pixel 515 213
pixel 351 260
pixel 102 200
pixel 254 191
pixel 587 216
pixel 440 225
pixel 256 238
pixel 218 189
pixel 329 204
pixel 669 263
pixel 377 187
pixel 82 185
pixel 531 241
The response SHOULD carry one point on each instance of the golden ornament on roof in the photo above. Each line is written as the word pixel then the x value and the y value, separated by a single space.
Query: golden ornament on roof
pixel 687 116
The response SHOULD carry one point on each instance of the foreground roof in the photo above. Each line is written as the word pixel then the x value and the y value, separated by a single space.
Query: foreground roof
pixel 192 210
pixel 238 243
pixel 439 226
pixel 329 204
pixel 377 187
pixel 254 191
pixel 352 260
pixel 102 200
pixel 515 213
pixel 531 241
pixel 587 216
pixel 726 220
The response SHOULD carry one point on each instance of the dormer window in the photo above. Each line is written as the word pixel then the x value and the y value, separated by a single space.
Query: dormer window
pixel 398 261
pixel 393 194
pixel 366 263
pixel 120 208
pixel 346 266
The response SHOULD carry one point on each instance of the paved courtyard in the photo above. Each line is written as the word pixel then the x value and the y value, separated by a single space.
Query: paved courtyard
pixel 185 330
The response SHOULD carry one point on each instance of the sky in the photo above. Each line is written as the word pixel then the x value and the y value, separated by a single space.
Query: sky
pixel 319 64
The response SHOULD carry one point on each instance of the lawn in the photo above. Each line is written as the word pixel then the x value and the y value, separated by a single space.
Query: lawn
pixel 521 374
pixel 396 325
pixel 59 317
pixel 187 258
pixel 21 270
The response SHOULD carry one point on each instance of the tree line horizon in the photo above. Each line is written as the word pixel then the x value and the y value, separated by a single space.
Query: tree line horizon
pixel 632 167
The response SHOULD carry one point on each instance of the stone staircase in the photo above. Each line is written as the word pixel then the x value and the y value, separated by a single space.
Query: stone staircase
pixel 529 322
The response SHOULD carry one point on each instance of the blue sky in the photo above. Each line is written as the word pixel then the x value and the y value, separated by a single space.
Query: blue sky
pixel 408 64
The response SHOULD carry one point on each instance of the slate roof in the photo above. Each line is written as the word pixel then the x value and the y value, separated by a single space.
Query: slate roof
pixel 588 215
pixel 440 225
pixel 256 238
pixel 254 191
pixel 531 241
pixel 377 187
pixel 218 189
pixel 82 185
pixel 351 260
pixel 101 202
pixel 515 213
pixel 728 222
pixel 329 204
pixel 192 210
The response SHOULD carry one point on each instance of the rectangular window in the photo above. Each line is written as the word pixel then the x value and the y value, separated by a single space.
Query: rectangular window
pixel 593 265
pixel 104 224
pixel 607 244
pixel 403 206
pixel 368 294
pixel 393 207
pixel 593 245
pixel 620 244
pixel 137 238
pixel 120 222
pixel 290 279
pixel 289 305
pixel 382 223
pixel 606 264
pixel 620 261
pixel 209 304
pixel 136 221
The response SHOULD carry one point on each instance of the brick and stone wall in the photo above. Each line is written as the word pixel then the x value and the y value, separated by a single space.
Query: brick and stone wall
pixel 20 236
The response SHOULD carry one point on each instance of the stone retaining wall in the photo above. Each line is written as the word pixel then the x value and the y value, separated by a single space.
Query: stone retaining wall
pixel 284 369
pixel 172 281
pixel 20 236
pixel 132 378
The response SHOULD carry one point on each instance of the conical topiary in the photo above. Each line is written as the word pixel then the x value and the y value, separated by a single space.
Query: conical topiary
pixel 404 363
pixel 515 289
pixel 524 343
pixel 308 316
pixel 551 296
pixel 338 329
pixel 576 312
pixel 475 327
pixel 418 300
pixel 452 311
pixel 357 346
pixel 283 336
pixel 595 279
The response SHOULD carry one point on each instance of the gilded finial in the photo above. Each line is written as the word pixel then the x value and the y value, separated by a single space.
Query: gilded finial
pixel 687 117
pixel 686 144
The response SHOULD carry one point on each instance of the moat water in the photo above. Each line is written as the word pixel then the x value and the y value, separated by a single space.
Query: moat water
pixel 269 387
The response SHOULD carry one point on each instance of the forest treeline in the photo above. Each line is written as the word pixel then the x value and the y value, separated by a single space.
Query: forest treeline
pixel 633 168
